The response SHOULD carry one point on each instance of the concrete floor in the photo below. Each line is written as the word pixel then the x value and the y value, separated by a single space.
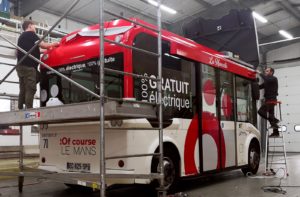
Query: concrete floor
pixel 226 185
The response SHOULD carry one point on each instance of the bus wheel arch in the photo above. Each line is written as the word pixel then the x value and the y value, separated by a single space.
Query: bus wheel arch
pixel 171 165
pixel 253 157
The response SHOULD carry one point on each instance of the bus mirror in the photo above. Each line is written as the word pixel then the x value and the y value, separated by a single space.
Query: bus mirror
pixel 245 83
pixel 35 129
pixel 224 85
pixel 255 90
pixel 4 127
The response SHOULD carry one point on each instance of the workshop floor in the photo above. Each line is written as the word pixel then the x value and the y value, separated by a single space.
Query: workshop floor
pixel 228 184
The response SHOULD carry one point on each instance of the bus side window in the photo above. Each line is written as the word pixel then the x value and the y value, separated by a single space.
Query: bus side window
pixel 226 94
pixel 244 100
pixel 178 77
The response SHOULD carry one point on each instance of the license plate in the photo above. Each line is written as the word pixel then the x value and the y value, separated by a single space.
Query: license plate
pixel 78 167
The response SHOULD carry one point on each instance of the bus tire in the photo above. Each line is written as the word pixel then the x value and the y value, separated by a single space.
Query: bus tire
pixel 253 159
pixel 171 168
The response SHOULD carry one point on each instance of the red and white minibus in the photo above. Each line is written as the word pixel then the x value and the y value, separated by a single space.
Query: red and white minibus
pixel 209 113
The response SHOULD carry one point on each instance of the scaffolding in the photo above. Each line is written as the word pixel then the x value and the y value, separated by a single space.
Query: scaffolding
pixel 105 109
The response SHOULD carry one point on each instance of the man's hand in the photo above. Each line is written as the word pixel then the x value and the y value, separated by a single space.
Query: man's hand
pixel 45 45
pixel 258 71
pixel 55 44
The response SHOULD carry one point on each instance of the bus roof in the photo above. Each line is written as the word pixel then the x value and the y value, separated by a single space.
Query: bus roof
pixel 179 46
pixel 189 49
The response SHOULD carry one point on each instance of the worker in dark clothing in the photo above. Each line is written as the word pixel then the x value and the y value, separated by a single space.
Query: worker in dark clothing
pixel 266 111
pixel 27 69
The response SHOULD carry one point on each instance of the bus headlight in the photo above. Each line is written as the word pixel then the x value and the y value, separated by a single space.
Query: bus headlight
pixel 116 123
pixel 118 38
pixel 44 95
pixel 54 90
pixel 45 56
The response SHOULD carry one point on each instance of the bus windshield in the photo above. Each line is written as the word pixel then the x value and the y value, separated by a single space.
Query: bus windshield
pixel 85 73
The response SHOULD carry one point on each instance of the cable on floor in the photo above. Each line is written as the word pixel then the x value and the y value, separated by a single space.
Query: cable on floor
pixel 275 188
pixel 252 176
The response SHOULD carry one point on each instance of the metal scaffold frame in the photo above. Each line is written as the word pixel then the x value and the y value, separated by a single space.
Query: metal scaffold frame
pixel 100 110
pixel 41 39
pixel 161 189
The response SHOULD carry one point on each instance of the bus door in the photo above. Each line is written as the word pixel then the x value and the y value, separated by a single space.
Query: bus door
pixel 218 131
pixel 210 121
pixel 245 114
pixel 227 118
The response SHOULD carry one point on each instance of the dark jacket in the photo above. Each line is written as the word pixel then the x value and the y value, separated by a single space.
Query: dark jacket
pixel 271 87
pixel 26 41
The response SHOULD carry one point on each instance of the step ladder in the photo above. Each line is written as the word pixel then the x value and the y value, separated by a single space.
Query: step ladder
pixel 275 152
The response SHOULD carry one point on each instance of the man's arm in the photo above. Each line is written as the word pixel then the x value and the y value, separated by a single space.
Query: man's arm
pixel 262 86
pixel 262 76
pixel 271 79
pixel 45 45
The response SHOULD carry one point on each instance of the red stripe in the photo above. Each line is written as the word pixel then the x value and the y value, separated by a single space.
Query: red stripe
pixel 210 125
pixel 189 147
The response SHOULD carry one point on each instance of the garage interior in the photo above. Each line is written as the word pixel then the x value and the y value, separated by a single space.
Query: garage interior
pixel 269 39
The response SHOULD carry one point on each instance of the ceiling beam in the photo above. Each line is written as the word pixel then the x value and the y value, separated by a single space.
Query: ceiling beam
pixel 204 3
pixel 286 5
pixel 215 12
pixel 273 11
pixel 137 11
pixel 82 21
pixel 275 37
pixel 25 7
pixel 234 1
pixel 250 3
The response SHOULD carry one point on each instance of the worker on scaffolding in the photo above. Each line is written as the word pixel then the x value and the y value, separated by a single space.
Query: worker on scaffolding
pixel 266 111
pixel 28 69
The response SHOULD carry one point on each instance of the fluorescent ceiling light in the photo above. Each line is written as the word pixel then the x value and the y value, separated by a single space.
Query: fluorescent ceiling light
pixel 259 17
pixel 163 7
pixel 286 34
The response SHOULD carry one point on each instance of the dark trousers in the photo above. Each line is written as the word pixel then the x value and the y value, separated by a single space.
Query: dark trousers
pixel 267 112
pixel 27 80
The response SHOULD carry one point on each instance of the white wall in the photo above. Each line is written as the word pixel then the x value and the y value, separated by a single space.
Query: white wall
pixel 28 137
pixel 288 74
pixel 284 53
pixel 8 56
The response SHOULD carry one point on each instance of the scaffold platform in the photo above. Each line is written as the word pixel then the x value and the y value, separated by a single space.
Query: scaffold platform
pixel 87 111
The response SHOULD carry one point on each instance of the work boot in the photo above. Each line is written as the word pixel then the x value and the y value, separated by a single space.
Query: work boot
pixel 274 125
pixel 274 134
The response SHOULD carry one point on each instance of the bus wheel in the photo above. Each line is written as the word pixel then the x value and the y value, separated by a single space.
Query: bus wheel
pixel 253 159
pixel 170 168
